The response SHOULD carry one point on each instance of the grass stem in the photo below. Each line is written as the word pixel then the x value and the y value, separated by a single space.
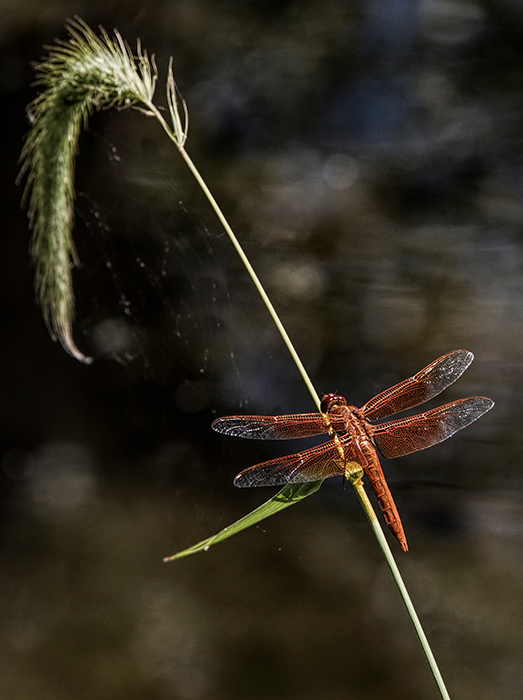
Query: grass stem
pixel 382 541
pixel 245 260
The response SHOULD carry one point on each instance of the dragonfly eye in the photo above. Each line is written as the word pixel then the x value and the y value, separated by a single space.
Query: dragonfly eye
pixel 330 402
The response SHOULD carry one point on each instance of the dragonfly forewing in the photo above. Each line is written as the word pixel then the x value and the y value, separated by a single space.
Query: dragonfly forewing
pixel 424 385
pixel 298 425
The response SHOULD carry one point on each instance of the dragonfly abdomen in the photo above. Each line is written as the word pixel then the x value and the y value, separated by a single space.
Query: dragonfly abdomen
pixel 376 479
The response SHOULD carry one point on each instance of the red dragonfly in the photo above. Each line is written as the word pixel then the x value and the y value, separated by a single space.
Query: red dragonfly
pixel 354 438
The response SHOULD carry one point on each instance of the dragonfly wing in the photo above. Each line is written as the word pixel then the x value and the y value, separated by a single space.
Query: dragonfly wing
pixel 313 464
pixel 272 427
pixel 401 437
pixel 424 385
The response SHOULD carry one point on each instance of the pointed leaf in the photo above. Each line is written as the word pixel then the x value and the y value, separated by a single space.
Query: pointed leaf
pixel 288 496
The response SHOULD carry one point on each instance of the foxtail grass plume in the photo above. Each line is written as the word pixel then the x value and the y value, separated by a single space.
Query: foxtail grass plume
pixel 80 75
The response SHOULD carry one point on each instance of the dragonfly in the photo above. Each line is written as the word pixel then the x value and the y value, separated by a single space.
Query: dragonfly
pixel 355 436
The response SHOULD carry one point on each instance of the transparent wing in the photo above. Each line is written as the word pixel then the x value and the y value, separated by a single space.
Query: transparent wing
pixel 424 385
pixel 296 425
pixel 318 462
pixel 401 437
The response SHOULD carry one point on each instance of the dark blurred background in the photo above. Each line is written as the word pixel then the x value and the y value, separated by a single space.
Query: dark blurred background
pixel 369 156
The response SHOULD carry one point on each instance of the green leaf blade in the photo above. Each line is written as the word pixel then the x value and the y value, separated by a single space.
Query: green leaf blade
pixel 288 496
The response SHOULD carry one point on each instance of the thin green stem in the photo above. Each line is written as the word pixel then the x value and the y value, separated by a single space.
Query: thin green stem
pixel 355 474
pixel 378 532
pixel 244 259
pixel 254 277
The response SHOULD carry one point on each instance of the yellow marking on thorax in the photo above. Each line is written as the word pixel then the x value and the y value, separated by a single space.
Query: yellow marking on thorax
pixel 334 435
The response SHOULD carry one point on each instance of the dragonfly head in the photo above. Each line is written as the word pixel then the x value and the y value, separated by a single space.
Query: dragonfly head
pixel 332 403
